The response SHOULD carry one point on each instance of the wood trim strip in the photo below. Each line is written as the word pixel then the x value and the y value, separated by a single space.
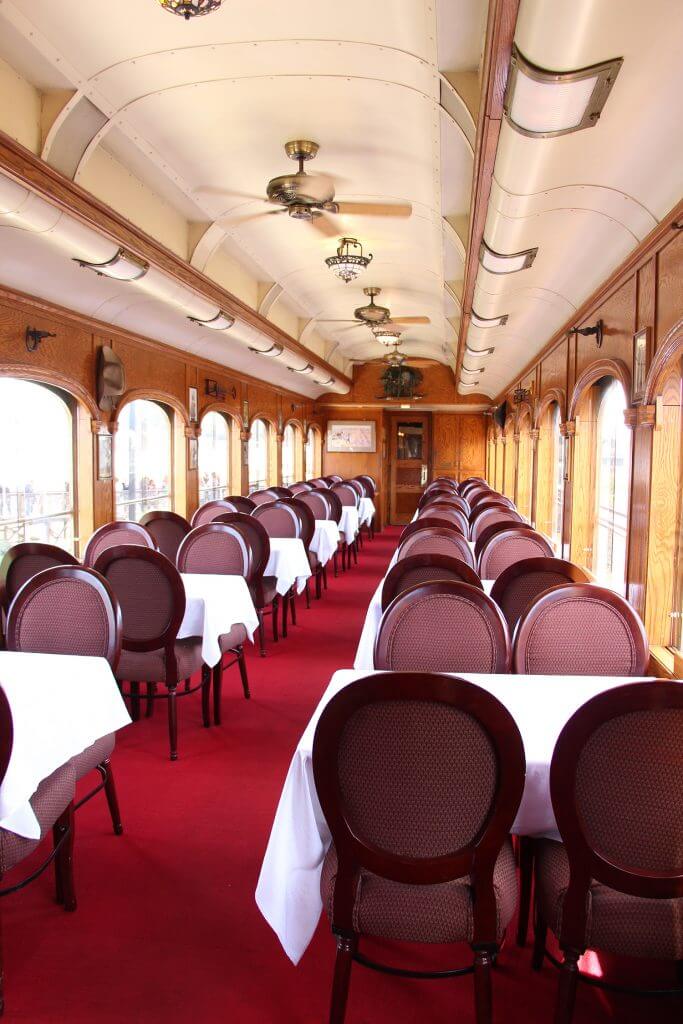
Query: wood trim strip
pixel 33 173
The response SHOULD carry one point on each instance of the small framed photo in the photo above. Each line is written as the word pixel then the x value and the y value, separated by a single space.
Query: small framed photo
pixel 104 457
pixel 351 436
pixel 194 452
pixel 193 404
pixel 641 357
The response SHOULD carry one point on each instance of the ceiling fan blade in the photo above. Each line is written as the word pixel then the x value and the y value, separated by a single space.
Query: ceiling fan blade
pixel 376 209
pixel 324 227
pixel 410 320
pixel 322 321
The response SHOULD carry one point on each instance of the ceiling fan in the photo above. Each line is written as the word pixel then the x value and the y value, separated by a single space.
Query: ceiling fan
pixel 310 197
pixel 372 314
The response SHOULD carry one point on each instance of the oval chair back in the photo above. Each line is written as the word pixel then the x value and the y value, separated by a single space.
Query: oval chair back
pixel 446 510
pixel 306 521
pixel 358 488
pixel 518 586
pixel 347 494
pixel 509 546
pixel 112 535
pixel 214 548
pixel 210 510
pixel 167 530
pixel 443 627
pixel 409 572
pixel 242 504
pixel 263 497
pixel 318 482
pixel 23 561
pixel 67 609
pixel 317 502
pixel 279 519
pixel 333 478
pixel 581 629
pixel 335 505
pixel 435 494
pixel 437 541
pixel 369 485
pixel 430 522
pixel 450 499
pixel 301 487
pixel 490 498
pixel 492 515
pixel 490 531
pixel 255 537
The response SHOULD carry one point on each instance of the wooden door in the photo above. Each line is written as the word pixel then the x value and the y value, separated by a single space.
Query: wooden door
pixel 410 450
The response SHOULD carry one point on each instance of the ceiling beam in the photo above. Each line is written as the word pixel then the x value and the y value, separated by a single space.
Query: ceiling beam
pixel 33 173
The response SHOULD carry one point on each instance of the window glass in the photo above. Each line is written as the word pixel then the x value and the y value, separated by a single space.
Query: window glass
pixel 558 480
pixel 142 458
pixel 36 466
pixel 258 456
pixel 289 441
pixel 614 470
pixel 214 458
pixel 312 459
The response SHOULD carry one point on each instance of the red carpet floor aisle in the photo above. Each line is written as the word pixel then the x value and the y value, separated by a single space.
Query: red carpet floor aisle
pixel 167 930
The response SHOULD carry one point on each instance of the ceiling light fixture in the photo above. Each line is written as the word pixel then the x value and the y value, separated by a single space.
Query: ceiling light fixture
pixel 470 384
pixel 190 8
pixel 505 263
pixel 482 321
pixel 323 383
pixel 387 335
pixel 466 369
pixel 123 266
pixel 273 352
pixel 222 321
pixel 308 368
pixel 542 104
pixel 347 264
pixel 478 351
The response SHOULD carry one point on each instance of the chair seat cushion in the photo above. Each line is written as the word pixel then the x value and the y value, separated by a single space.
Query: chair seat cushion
pixel 236 636
pixel 50 800
pixel 264 591
pixel 150 666
pixel 617 923
pixel 93 755
pixel 422 913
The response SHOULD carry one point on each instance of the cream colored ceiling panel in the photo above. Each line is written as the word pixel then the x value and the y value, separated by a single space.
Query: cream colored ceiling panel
pixel 460 33
pixel 456 169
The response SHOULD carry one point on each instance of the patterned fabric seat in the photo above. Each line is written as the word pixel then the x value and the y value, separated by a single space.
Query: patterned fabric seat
pixel 50 800
pixel 521 583
pixel 510 546
pixel 422 913
pixel 167 529
pixel 95 754
pixel 235 638
pixel 24 561
pixel 150 666
pixel 436 541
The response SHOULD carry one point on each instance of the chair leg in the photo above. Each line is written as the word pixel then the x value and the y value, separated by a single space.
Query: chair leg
pixel 173 721
pixel 318 584
pixel 261 633
pixel 540 933
pixel 66 826
pixel 275 610
pixel 112 798
pixel 285 606
pixel 151 690
pixel 242 664
pixel 2 974
pixel 566 991
pixel 206 692
pixel 292 599
pixel 346 947
pixel 526 874
pixel 334 565
pixel 217 673
pixel 483 999
pixel 325 576
pixel 307 591
pixel 135 701
pixel 354 548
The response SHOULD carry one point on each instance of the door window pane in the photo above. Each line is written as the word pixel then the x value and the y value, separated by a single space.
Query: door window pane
pixel 214 458
pixel 409 441
pixel 142 448
pixel 36 466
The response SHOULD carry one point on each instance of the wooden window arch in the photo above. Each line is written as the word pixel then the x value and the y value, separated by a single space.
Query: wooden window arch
pixel 143 459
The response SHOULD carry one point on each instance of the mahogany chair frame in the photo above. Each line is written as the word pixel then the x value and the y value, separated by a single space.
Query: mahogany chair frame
pixel 428 523
pixel 586 864
pixel 477 511
pixel 166 640
pixel 170 517
pixel 248 523
pixel 442 530
pixel 477 528
pixel 573 573
pixel 392 581
pixel 490 497
pixel 221 505
pixel 437 494
pixel 13 555
pixel 477 859
pixel 113 527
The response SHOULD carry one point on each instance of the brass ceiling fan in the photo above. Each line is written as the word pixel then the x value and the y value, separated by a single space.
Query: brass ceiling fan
pixel 310 197
pixel 373 315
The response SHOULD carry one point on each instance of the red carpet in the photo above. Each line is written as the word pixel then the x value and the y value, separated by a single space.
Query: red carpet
pixel 167 930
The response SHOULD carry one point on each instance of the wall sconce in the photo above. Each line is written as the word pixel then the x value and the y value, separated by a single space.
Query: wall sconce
pixel 597 329
pixel 34 337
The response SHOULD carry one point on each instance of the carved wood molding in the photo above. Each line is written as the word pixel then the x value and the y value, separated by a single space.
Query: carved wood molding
pixel 42 375
pixel 32 172
pixel 600 368
pixel 552 395
pixel 224 408
pixel 153 395
pixel 670 348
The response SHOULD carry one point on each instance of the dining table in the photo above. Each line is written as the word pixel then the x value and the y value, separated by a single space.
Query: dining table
pixel 289 563
pixel 214 604
pixel 325 540
pixel 349 523
pixel 60 704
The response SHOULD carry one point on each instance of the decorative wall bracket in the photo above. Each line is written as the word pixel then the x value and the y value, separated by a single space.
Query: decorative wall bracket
pixel 34 337
pixel 597 329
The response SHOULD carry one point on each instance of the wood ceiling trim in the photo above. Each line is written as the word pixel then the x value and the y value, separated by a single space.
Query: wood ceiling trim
pixel 640 255
pixel 500 31
pixel 32 172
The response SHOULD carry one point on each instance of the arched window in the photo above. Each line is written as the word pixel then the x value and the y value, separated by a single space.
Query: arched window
pixel 291 460
pixel 313 466
pixel 613 453
pixel 509 451
pixel 557 479
pixel 37 465
pixel 258 456
pixel 214 457
pixel 524 458
pixel 143 460
pixel 550 472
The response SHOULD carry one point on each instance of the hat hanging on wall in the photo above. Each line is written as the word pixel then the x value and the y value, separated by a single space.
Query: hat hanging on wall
pixel 111 378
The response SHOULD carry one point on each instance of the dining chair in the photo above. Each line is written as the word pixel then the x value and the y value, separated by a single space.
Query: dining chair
pixel 281 492
pixel 615 882
pixel 241 503
pixel 436 494
pixel 446 510
pixel 452 499
pixel 113 534
pixel 490 531
pixel 509 546
pixel 53 805
pixel 428 522
pixel 437 540
pixel 318 482
pixel 333 478
pixel 490 498
pixel 263 589
pixel 301 487
pixel 317 500
pixel 349 497
pixel 443 626
pixel 167 530
pixel 335 508
pixel 220 549
pixel 280 519
pixel 307 531
pixel 419 779
pixel 151 596
pixel 409 572
pixel 490 515
pixel 69 609
pixel 264 496
pixel 23 561
pixel 518 586
pixel 208 512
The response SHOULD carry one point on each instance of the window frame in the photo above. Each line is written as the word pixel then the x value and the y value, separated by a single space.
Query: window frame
pixel 170 496
pixel 220 491
pixel 262 482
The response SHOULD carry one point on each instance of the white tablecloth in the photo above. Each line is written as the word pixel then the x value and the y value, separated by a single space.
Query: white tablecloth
pixel 289 562
pixel 288 891
pixel 373 617
pixel 214 604
pixel 60 705
pixel 366 511
pixel 348 526
pixel 325 540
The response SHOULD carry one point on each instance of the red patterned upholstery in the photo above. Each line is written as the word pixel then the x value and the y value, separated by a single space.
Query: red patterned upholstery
pixel 229 641
pixel 153 666
pixel 490 531
pixel 214 548
pixel 489 516
pixel 509 546
pixel 443 627
pixel 368 486
pixel 347 494
pixel 408 572
pixel 432 522
pixel 167 530
pixel 210 511
pixel 521 583
pixel 581 629
pixel 279 519
pixel 255 537
pixel 50 800
pixel 446 510
pixel 437 541
pixel 113 534
pixel 23 561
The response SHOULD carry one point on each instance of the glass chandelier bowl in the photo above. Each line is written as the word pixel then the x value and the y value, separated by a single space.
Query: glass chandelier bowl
pixel 387 334
pixel 349 262
pixel 190 8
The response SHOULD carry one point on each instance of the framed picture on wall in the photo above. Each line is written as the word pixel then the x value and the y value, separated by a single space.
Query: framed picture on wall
pixel 193 404
pixel 104 457
pixel 641 352
pixel 194 453
pixel 351 436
